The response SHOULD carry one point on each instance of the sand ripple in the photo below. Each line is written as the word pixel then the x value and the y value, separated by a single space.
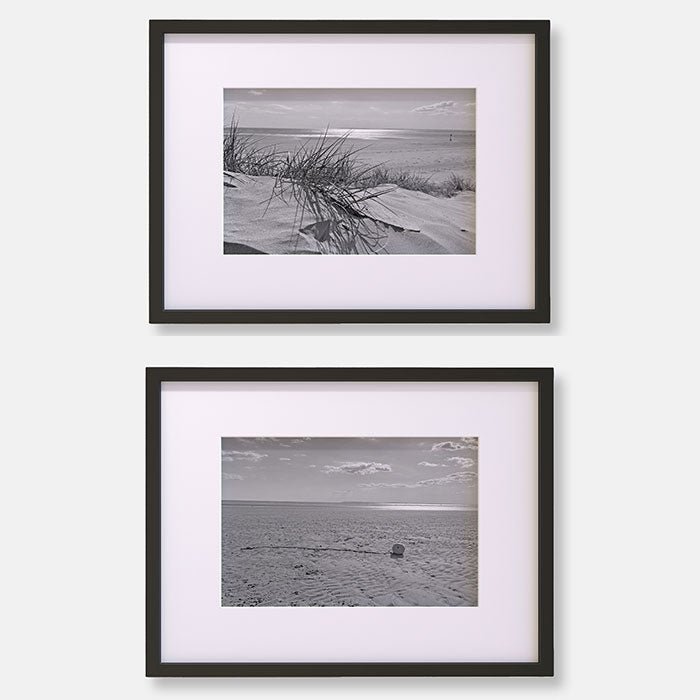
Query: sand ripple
pixel 311 556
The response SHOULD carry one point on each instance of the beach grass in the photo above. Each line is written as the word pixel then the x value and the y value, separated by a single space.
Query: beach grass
pixel 243 154
pixel 326 178
pixel 323 178
pixel 328 162
pixel 454 184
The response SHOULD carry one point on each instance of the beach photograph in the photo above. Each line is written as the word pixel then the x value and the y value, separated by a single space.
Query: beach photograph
pixel 316 171
pixel 349 522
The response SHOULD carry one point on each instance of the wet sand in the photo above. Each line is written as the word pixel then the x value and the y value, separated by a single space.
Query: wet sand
pixel 278 555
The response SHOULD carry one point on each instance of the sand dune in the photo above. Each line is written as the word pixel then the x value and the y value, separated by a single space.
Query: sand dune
pixel 343 557
pixel 407 222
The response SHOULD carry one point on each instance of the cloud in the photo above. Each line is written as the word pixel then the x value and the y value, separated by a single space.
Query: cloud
pixel 462 462
pixel 456 478
pixel 262 441
pixel 275 108
pixel 446 107
pixel 362 468
pixel 468 478
pixel 429 464
pixel 471 442
pixel 264 107
pixel 232 477
pixel 448 445
pixel 237 455
pixel 256 92
pixel 285 459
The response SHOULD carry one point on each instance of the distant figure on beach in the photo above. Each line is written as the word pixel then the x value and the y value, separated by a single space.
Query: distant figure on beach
pixel 450 137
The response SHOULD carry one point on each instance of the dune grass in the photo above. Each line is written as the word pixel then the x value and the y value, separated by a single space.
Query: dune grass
pixel 243 154
pixel 453 185
pixel 328 160
pixel 326 179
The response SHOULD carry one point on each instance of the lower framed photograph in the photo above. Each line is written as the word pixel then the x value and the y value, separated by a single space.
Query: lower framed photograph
pixel 349 522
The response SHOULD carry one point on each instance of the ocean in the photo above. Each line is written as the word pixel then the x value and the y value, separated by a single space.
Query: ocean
pixel 352 504
pixel 436 135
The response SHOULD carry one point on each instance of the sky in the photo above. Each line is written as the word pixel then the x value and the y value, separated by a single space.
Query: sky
pixel 373 470
pixel 317 108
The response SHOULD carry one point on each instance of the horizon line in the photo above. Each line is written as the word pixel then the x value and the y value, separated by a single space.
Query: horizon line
pixel 396 503
pixel 350 128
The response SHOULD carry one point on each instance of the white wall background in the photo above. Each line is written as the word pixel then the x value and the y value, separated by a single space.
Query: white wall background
pixel 626 247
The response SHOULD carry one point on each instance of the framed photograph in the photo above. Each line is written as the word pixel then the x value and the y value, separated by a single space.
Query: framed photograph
pixel 349 171
pixel 329 522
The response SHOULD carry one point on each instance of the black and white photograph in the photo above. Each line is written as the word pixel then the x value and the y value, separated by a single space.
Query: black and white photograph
pixel 354 521
pixel 349 171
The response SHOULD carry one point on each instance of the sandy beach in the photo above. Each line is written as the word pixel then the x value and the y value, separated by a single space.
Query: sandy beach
pixel 339 555
pixel 401 220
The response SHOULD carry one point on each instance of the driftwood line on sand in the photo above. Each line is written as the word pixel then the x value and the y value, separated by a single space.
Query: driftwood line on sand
pixel 396 550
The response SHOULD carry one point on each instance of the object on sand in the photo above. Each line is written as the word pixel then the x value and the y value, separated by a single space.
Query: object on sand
pixel 398 550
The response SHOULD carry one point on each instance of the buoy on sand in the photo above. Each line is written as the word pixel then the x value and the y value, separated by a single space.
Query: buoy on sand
pixel 398 550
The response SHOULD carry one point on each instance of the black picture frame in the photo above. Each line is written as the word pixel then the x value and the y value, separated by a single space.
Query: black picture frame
pixel 539 314
pixel 544 377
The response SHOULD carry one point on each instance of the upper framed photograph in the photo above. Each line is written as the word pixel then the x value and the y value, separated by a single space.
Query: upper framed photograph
pixel 327 522
pixel 349 171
